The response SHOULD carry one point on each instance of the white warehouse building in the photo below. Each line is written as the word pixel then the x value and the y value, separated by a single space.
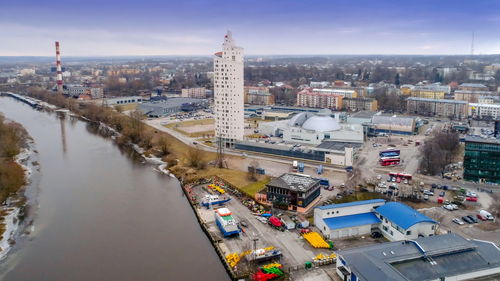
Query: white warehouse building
pixel 395 221
pixel 313 128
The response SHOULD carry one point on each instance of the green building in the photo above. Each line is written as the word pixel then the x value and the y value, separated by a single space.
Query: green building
pixel 482 160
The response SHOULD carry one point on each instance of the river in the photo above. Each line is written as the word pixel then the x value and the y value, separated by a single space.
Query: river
pixel 101 215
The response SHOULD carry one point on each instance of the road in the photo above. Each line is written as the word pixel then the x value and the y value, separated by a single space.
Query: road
pixel 157 124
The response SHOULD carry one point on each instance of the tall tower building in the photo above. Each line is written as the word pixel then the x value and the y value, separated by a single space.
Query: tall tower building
pixel 228 92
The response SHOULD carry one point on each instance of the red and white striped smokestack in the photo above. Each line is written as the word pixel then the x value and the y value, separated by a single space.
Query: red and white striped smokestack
pixel 59 69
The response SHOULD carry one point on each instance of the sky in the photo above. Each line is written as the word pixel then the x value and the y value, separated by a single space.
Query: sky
pixel 261 27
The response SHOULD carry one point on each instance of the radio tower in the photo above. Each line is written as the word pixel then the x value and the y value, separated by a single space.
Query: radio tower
pixel 472 45
pixel 59 69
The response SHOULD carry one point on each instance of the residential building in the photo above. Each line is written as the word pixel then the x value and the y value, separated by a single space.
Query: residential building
pixel 293 192
pixel 322 84
pixel 439 257
pixel 489 99
pixel 431 91
pixel 228 92
pixel 341 91
pixel 472 87
pixel 437 107
pixel 471 96
pixel 319 99
pixel 359 104
pixel 406 89
pixel 482 159
pixel 484 110
pixel 195 93
pixel 258 95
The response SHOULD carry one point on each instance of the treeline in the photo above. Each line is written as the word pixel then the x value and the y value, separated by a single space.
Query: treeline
pixel 439 151
pixel 131 128
pixel 12 137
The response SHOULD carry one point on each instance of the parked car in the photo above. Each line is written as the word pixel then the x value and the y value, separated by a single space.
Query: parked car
pixel 435 185
pixel 376 234
pixel 481 217
pixel 448 207
pixel 458 221
pixel 426 197
pixel 467 220
pixel 473 219
pixel 428 192
pixel 471 199
pixel 442 193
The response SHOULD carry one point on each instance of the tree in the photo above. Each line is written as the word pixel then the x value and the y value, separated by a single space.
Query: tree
pixel 163 146
pixel 438 152
pixel 196 158
pixel 252 170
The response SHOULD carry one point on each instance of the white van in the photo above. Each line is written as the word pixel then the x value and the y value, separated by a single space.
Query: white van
pixel 486 215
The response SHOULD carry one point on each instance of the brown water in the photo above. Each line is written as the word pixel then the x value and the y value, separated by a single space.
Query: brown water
pixel 101 215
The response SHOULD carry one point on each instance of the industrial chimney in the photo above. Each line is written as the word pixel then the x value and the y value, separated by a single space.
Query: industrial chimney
pixel 59 70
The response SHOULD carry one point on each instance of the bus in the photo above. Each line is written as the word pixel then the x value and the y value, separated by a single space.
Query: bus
pixel 401 176
pixel 389 161
pixel 389 153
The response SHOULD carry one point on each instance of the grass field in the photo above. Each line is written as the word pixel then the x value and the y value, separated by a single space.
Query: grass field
pixel 190 123
pixel 127 107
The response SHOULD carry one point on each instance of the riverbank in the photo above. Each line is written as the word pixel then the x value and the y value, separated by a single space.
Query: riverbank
pixel 185 162
pixel 16 150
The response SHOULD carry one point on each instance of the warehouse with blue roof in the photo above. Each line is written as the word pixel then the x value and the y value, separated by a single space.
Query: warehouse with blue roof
pixel 394 220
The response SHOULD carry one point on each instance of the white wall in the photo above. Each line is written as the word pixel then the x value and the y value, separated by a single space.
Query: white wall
pixel 228 91
pixel 423 228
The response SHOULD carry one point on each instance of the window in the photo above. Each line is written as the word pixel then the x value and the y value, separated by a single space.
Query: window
pixel 392 233
pixel 408 232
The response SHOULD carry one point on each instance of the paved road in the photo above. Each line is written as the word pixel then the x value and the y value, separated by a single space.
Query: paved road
pixel 156 123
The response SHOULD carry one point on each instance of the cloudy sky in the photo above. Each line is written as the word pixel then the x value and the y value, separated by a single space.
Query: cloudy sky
pixel 195 27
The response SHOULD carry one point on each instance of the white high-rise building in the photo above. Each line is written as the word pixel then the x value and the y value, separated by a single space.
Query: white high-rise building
pixel 228 92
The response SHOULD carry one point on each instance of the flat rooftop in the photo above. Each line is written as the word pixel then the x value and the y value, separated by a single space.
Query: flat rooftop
pixel 294 182
pixel 482 140
pixel 339 146
pixel 426 258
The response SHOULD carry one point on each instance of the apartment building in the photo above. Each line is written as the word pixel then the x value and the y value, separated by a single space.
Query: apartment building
pixel 194 93
pixel 358 104
pixel 432 91
pixel 228 92
pixel 437 107
pixel 258 95
pixel 471 95
pixel 319 99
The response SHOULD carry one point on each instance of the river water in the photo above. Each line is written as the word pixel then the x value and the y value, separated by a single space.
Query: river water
pixel 101 215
